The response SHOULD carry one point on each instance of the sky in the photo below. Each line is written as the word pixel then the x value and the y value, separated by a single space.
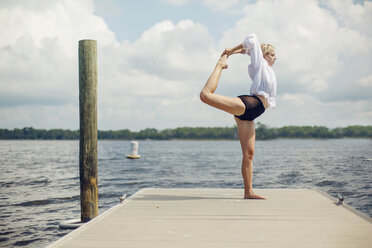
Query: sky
pixel 155 56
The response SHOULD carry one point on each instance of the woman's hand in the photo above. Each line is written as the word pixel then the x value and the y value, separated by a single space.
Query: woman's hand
pixel 235 50
pixel 228 52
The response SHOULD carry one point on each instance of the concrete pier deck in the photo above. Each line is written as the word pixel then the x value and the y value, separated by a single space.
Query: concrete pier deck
pixel 221 218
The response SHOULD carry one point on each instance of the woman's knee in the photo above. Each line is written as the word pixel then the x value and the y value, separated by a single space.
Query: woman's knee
pixel 248 155
pixel 205 96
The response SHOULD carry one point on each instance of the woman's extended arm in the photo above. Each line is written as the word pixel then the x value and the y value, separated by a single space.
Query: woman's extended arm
pixel 238 49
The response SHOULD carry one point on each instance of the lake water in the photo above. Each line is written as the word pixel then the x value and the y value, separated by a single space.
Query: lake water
pixel 40 187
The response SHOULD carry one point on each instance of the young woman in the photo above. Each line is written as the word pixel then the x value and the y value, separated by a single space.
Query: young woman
pixel 246 108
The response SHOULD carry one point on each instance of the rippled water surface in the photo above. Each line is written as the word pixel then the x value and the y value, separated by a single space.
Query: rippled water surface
pixel 39 180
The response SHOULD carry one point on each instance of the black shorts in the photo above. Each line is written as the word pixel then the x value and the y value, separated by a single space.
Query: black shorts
pixel 253 107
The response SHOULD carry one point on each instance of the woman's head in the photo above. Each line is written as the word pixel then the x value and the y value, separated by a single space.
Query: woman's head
pixel 268 52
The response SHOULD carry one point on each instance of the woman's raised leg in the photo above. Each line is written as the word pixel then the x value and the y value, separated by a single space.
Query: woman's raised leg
pixel 232 105
pixel 247 138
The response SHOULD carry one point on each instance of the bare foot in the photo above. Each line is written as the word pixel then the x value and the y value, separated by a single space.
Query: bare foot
pixel 254 196
pixel 222 61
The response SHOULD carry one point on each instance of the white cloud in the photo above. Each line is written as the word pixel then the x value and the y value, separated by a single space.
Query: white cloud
pixel 323 65
pixel 221 4
pixel 315 54
pixel 304 109
pixel 217 5
pixel 172 51
pixel 176 2
pixel 40 116
pixel 65 21
pixel 366 81
pixel 39 49
pixel 158 76
pixel 38 69
pixel 350 15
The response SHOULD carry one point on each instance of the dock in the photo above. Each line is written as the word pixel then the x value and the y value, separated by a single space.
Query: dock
pixel 159 217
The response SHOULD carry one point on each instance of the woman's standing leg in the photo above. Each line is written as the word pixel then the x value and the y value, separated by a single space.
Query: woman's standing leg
pixel 247 138
pixel 232 105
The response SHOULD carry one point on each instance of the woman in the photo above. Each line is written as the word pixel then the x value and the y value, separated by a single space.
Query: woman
pixel 246 108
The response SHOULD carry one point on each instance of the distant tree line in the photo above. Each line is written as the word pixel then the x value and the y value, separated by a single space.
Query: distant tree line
pixel 318 132
pixel 263 132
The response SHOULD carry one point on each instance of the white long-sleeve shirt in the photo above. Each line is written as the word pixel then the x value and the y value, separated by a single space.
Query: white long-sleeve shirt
pixel 262 75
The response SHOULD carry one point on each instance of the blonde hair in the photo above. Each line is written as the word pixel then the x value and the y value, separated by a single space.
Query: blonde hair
pixel 267 48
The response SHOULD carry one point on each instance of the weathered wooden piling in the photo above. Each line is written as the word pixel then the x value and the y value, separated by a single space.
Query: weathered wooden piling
pixel 88 129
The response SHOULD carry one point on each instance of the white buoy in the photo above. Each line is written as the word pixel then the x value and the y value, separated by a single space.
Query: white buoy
pixel 134 153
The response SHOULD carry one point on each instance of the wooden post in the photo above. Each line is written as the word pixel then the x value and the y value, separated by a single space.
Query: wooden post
pixel 88 129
